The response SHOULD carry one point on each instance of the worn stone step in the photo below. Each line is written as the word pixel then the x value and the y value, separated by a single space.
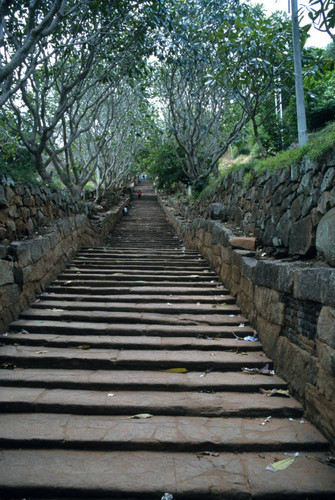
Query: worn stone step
pixel 124 265
pixel 132 342
pixel 212 476
pixel 142 298
pixel 153 306
pixel 136 272
pixel 143 254
pixel 89 402
pixel 171 283
pixel 135 317
pixel 91 289
pixel 142 276
pixel 150 359
pixel 78 328
pixel 142 264
pixel 139 380
pixel 160 433
pixel 97 351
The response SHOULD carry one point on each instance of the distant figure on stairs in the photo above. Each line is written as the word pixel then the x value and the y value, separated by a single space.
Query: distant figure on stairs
pixel 139 194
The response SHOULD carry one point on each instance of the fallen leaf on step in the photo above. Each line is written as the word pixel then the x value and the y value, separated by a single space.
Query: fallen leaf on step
pixel 176 370
pixel 209 370
pixel 83 347
pixel 266 421
pixel 264 371
pixel 41 352
pixel 208 454
pixel 8 366
pixel 275 392
pixel 142 416
pixel 281 465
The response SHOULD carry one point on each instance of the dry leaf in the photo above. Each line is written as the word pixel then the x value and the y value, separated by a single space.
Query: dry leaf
pixel 138 416
pixel 281 465
pixel 177 370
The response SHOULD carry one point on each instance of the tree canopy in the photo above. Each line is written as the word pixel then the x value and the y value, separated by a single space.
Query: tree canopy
pixel 89 87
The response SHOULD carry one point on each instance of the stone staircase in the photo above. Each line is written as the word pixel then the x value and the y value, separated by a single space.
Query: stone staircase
pixel 126 379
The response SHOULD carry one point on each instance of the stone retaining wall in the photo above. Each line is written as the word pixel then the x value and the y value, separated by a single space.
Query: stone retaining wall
pixel 290 304
pixel 290 211
pixel 27 267
pixel 24 209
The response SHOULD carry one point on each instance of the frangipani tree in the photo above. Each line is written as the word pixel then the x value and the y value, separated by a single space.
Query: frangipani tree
pixel 202 116
pixel 256 61
pixel 53 93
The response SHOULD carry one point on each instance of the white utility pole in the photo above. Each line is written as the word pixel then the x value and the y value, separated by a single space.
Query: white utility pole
pixel 299 88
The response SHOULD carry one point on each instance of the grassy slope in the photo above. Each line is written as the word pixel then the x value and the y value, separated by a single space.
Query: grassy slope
pixel 315 151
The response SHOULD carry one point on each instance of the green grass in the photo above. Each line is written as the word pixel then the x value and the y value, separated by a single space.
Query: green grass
pixel 319 145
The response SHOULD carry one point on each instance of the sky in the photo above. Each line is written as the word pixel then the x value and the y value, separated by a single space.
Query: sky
pixel 317 39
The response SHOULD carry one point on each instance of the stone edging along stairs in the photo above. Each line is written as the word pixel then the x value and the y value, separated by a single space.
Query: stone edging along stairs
pixel 126 379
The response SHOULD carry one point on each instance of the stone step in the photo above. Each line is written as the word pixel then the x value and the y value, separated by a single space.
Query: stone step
pixel 148 359
pixel 124 265
pixel 112 402
pixel 147 475
pixel 98 348
pixel 142 281
pixel 139 380
pixel 143 254
pixel 91 289
pixel 132 273
pixel 142 298
pixel 132 342
pixel 157 433
pixel 215 319
pixel 138 278
pixel 78 327
pixel 153 306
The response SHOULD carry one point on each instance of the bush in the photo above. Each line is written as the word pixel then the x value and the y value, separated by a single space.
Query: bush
pixel 18 166
pixel 164 163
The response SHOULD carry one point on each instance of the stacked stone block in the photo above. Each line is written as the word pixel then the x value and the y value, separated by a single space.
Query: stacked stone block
pixel 27 267
pixel 290 304
pixel 290 212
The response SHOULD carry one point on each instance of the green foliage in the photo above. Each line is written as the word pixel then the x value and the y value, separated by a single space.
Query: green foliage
pixel 18 166
pixel 320 99
pixel 164 164
pixel 315 151
pixel 322 13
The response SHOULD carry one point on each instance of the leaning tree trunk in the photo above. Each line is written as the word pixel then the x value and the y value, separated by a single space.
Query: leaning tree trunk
pixel 258 138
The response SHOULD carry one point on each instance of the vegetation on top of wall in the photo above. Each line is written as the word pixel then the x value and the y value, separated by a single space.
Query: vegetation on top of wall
pixel 315 151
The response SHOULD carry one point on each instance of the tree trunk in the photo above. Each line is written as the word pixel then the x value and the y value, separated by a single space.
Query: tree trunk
pixel 258 138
